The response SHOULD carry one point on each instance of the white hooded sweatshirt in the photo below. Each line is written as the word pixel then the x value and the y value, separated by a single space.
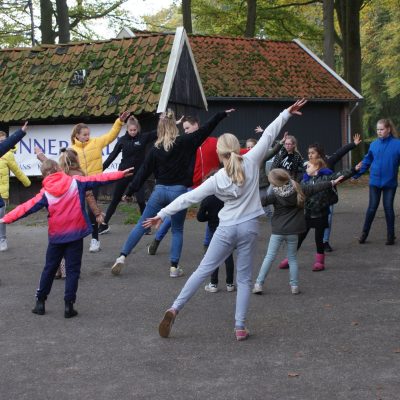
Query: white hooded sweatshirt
pixel 241 203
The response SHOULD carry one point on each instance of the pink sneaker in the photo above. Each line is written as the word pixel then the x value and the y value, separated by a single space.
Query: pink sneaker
pixel 242 334
pixel 165 326
pixel 284 264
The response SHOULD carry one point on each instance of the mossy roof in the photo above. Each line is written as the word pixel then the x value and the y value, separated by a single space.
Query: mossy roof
pixel 35 83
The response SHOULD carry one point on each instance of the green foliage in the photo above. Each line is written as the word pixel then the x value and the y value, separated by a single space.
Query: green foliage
pixel 381 57
pixel 132 213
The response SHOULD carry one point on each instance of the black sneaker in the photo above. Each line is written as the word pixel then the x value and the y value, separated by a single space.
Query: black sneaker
pixel 327 247
pixel 152 247
pixel 363 238
pixel 103 228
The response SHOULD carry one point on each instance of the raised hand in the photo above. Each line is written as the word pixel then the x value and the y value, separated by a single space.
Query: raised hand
pixel 285 135
pixel 156 221
pixel 259 129
pixel 25 127
pixel 230 110
pixel 357 139
pixel 37 150
pixel 179 121
pixel 294 108
pixel 124 115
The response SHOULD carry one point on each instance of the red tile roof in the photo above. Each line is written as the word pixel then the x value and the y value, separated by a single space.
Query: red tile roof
pixel 239 67
pixel 129 74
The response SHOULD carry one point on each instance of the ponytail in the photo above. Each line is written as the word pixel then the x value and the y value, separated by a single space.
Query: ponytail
pixel 228 149
pixel 69 160
pixel 301 198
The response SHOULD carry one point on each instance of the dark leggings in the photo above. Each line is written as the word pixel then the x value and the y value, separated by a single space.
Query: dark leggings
pixel 375 194
pixel 119 191
pixel 229 265
pixel 319 239
pixel 92 217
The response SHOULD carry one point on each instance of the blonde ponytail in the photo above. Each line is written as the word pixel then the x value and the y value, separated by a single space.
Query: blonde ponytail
pixel 166 130
pixel 228 149
pixel 301 198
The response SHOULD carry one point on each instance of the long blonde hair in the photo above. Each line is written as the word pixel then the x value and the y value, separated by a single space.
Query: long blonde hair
pixel 69 161
pixel 228 149
pixel 166 130
pixel 280 177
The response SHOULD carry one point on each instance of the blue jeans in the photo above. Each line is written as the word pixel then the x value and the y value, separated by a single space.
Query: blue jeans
pixel 274 243
pixel 243 237
pixel 166 224
pixel 161 197
pixel 374 200
pixel 327 231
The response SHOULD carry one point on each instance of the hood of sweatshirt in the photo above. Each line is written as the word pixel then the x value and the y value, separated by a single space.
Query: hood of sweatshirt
pixel 226 187
pixel 57 184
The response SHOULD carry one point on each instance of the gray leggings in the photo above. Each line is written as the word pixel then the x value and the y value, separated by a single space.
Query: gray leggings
pixel 2 226
pixel 243 238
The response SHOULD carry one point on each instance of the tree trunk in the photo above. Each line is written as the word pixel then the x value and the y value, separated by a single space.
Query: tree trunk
pixel 329 33
pixel 349 22
pixel 46 22
pixel 251 18
pixel 63 21
pixel 187 15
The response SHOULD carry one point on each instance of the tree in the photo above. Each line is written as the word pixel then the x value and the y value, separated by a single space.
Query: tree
pixel 251 18
pixel 329 33
pixel 187 15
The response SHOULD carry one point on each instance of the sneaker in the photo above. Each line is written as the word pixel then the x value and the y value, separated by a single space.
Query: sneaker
pixel 152 247
pixel 3 245
pixel 175 272
pixel 241 334
pixel 94 246
pixel 230 287
pixel 103 228
pixel 117 267
pixel 257 288
pixel 212 288
pixel 327 247
pixel 363 237
pixel 165 326
pixel 294 289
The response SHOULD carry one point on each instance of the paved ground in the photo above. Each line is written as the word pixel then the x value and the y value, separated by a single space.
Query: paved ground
pixel 339 339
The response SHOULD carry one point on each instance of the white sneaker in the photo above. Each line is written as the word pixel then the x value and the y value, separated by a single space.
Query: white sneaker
pixel 3 245
pixel 257 288
pixel 230 287
pixel 175 272
pixel 94 246
pixel 294 289
pixel 117 267
pixel 211 287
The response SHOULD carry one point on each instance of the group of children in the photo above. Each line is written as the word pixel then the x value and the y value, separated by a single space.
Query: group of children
pixel 186 172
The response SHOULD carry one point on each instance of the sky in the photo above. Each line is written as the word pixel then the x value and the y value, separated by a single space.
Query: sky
pixel 137 8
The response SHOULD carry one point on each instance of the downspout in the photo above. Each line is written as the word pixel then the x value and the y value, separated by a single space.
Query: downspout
pixel 349 129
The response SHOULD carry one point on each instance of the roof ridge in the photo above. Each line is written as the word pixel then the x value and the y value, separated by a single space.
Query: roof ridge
pixel 238 38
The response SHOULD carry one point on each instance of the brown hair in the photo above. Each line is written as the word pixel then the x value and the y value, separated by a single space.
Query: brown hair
pixel 3 134
pixel 191 120
pixel 49 167
pixel 388 123
pixel 251 140
pixel 69 160
pixel 280 177
pixel 76 130
pixel 228 149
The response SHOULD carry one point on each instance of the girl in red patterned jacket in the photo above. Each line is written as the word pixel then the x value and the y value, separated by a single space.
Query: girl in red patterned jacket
pixel 64 197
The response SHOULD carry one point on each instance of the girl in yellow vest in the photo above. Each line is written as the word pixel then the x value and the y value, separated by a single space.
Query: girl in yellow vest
pixel 90 159
pixel 7 164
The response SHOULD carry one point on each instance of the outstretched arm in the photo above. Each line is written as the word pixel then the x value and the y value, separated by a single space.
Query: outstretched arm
pixel 12 140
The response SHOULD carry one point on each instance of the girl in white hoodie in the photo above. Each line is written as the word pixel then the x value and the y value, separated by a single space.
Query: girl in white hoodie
pixel 237 186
